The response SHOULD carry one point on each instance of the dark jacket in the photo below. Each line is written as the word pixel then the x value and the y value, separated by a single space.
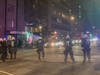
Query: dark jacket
pixel 14 45
pixel 4 45
pixel 1 46
pixel 68 45
pixel 85 43
pixel 40 44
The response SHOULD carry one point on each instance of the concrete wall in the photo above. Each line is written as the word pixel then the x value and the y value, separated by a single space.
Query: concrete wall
pixel 2 18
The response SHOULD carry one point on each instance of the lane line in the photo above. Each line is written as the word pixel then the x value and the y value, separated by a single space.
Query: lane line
pixel 5 72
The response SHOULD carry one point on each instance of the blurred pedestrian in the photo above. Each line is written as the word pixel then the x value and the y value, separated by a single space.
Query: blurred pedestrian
pixel 40 44
pixel 68 49
pixel 86 48
pixel 2 51
pixel 14 48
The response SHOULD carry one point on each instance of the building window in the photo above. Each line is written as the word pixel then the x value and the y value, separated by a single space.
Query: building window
pixel 33 6
pixel 59 13
pixel 12 23
pixel 64 0
pixel 70 10
pixel 79 6
pixel 32 30
pixel 59 21
pixel 70 13
pixel 11 8
pixel 64 16
pixel 79 16
pixel 79 12
pixel 36 30
pixel 53 11
pixel 26 29
pixel 79 9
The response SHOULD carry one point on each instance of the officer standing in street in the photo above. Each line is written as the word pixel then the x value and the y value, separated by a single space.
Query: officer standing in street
pixel 13 49
pixel 86 48
pixel 40 44
pixel 5 47
pixel 2 51
pixel 68 49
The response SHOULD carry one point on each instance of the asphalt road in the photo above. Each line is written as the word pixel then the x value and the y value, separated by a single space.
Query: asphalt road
pixel 28 64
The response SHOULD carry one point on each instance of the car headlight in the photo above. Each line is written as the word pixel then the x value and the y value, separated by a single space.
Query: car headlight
pixel 76 41
pixel 45 45
pixel 62 43
pixel 73 42
pixel 52 44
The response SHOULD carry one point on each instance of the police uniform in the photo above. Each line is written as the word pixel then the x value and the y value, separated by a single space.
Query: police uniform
pixel 2 51
pixel 5 48
pixel 40 44
pixel 13 49
pixel 68 49
pixel 86 48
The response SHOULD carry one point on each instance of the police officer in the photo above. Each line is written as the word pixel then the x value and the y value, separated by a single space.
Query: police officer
pixel 2 51
pixel 13 49
pixel 5 47
pixel 86 48
pixel 68 49
pixel 40 44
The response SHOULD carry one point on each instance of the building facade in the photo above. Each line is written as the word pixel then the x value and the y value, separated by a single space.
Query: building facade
pixel 12 15
pixel 79 12
pixel 52 15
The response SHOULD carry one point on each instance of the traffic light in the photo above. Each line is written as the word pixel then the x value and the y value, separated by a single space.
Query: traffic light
pixel 0 26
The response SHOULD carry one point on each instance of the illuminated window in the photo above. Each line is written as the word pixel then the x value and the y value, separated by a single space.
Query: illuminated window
pixel 58 20
pixel 70 10
pixel 36 30
pixel 33 6
pixel 59 14
pixel 64 16
pixel 26 28
pixel 70 13
pixel 12 23
pixel 64 0
pixel 79 12
pixel 32 30
pixel 79 6
pixel 79 16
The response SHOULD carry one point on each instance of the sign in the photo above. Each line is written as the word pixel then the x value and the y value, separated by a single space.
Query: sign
pixel 17 32
pixel 13 32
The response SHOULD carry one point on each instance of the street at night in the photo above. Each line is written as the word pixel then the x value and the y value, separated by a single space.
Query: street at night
pixel 28 64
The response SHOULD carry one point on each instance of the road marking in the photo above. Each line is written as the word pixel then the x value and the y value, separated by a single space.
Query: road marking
pixel 6 72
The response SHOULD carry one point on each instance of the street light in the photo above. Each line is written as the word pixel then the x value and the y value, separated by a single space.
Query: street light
pixel 72 18
pixel 40 27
